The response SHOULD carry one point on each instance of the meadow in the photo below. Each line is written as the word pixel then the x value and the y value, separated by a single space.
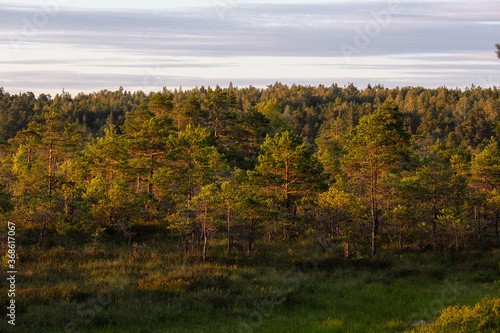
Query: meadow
pixel 290 287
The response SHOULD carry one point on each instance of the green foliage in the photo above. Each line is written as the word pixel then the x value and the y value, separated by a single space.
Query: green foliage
pixel 219 102
pixel 272 110
pixel 486 167
pixel 342 211
pixel 161 103
pixel 192 161
pixel 484 317
pixel 287 164
pixel 379 147
pixel 419 169
pixel 287 171
pixel 332 142
pixel 380 143
pixel 5 200
pixel 171 204
pixel 43 191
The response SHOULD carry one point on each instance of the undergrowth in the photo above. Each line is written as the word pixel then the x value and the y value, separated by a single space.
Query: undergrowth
pixel 108 288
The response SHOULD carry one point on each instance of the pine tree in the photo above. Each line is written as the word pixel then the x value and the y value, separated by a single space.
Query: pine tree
pixel 106 179
pixel 341 208
pixel 485 171
pixel 288 168
pixel 379 147
pixel 218 103
pixel 205 204
pixel 193 161
pixel 146 130
pixel 429 188
pixel 44 148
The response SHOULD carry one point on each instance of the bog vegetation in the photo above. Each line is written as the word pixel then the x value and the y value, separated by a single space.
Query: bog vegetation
pixel 231 185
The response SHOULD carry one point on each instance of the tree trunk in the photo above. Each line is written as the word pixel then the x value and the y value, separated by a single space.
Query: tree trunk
pixel 269 234
pixel 435 216
pixel 330 226
pixel 193 239
pixel 40 240
pixel 434 224
pixel 496 224
pixel 216 125
pixel 178 121
pixel 347 249
pixel 50 169
pixel 286 234
pixel 400 236
pixel 205 238
pixel 228 230
pixel 150 185
pixel 181 242
pixel 250 238
pixel 374 222
pixel 478 224
pixel 287 198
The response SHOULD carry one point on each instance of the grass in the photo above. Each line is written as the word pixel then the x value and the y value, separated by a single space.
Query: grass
pixel 108 288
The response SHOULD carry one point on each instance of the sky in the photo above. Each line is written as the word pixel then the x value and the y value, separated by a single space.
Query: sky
pixel 89 45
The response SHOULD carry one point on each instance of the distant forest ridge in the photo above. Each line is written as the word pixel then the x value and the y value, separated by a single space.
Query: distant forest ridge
pixel 440 113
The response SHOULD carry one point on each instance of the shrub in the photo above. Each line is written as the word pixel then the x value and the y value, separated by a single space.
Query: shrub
pixel 484 317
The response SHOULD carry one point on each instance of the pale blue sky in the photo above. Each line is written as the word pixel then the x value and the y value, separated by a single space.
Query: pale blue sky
pixel 157 3
pixel 87 46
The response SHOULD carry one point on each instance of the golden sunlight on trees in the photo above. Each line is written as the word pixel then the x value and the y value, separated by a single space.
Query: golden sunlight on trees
pixel 371 169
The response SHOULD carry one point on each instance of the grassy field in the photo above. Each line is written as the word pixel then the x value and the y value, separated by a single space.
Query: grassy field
pixel 109 288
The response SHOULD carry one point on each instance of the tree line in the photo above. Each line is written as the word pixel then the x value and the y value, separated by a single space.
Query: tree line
pixel 360 169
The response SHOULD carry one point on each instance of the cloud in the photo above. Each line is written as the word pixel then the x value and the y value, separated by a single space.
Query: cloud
pixel 278 30
pixel 443 42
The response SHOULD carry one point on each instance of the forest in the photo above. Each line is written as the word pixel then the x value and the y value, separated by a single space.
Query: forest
pixel 217 188
pixel 367 169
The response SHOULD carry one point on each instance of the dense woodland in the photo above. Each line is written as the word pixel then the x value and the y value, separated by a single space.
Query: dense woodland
pixel 360 170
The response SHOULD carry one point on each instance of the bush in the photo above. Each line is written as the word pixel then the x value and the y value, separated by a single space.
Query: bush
pixel 483 317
